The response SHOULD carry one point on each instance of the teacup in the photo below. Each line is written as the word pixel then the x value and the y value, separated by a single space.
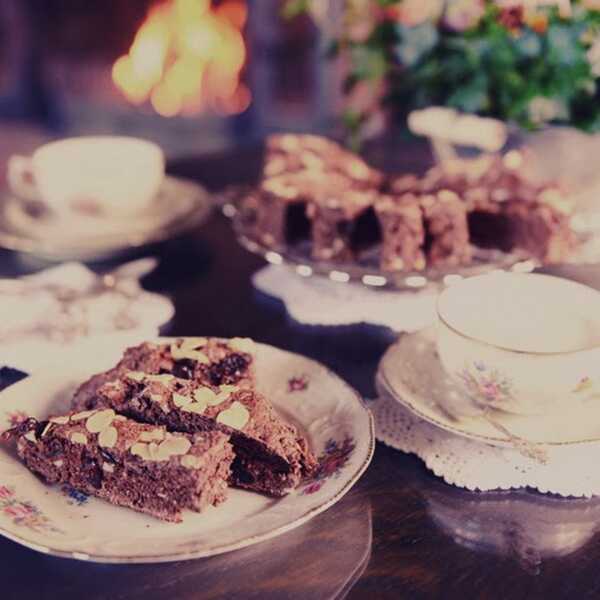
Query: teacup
pixel 521 343
pixel 95 176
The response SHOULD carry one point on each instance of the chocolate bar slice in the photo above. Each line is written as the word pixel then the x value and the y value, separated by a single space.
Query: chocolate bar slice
pixel 271 457
pixel 447 233
pixel 402 231
pixel 210 361
pixel 276 214
pixel 129 464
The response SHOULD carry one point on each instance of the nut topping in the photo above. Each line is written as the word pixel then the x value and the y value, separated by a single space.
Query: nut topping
pixel 100 420
pixel 108 437
pixel 152 435
pixel 78 438
pixel 189 461
pixel 242 344
pixel 82 415
pixel 236 416
pixel 60 420
pixel 179 400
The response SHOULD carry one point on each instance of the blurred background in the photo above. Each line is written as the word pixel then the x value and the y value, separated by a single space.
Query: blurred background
pixel 192 75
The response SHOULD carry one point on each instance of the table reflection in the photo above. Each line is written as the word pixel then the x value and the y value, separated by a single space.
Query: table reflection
pixel 321 559
pixel 525 525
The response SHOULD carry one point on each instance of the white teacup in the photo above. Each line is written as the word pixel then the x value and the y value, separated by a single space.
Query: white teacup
pixel 521 343
pixel 95 176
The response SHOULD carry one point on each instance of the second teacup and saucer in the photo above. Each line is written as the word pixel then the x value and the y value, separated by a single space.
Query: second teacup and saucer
pixel 513 357
pixel 89 198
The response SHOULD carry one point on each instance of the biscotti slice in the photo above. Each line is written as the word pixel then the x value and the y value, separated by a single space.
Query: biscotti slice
pixel 129 464
pixel 447 234
pixel 270 456
pixel 210 361
pixel 402 231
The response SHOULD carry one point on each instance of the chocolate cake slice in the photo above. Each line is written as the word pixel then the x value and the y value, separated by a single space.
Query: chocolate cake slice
pixel 343 220
pixel 270 456
pixel 276 214
pixel 129 464
pixel 209 361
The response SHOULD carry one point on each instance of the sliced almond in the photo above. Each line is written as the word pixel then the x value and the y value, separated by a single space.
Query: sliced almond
pixel 189 354
pixel 100 420
pixel 236 416
pixel 175 446
pixel 82 415
pixel 225 392
pixel 163 378
pixel 60 420
pixel 30 435
pixel 195 407
pixel 140 450
pixel 193 343
pixel 136 376
pixel 189 461
pixel 242 344
pixel 108 467
pixel 154 452
pixel 152 435
pixel 78 438
pixel 108 437
pixel 47 428
pixel 205 395
pixel 179 400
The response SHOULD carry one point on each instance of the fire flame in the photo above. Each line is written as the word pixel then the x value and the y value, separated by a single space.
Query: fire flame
pixel 186 58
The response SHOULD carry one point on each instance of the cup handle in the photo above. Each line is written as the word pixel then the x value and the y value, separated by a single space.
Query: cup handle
pixel 20 177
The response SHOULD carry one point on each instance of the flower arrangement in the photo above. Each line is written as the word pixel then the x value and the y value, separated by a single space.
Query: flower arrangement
pixel 529 62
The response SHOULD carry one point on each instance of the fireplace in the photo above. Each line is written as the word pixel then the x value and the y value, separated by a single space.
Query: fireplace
pixel 190 74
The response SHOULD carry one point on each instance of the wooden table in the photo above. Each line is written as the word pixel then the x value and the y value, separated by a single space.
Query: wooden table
pixel 400 533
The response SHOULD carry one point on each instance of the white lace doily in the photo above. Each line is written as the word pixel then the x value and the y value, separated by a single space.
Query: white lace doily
pixel 571 470
pixel 319 301
pixel 65 308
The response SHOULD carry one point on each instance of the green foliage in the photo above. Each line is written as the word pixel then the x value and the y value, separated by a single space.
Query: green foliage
pixel 530 66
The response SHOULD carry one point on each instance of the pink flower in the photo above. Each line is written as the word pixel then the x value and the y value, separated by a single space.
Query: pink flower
pixel 489 389
pixel 18 511
pixel 5 493
pixel 414 12
pixel 461 15
pixel 313 487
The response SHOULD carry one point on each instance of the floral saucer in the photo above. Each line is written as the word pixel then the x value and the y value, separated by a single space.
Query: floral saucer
pixel 27 226
pixel 412 374
pixel 64 522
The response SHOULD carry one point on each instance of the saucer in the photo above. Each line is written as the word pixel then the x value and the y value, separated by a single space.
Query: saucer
pixel 412 374
pixel 26 226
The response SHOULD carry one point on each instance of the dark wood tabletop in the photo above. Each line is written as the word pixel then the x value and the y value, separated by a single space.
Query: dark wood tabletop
pixel 399 533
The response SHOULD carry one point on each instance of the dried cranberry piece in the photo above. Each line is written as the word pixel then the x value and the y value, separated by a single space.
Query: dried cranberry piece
pixel 228 370
pixel 91 470
pixel 184 369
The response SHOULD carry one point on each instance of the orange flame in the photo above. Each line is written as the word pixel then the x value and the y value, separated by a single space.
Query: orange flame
pixel 187 57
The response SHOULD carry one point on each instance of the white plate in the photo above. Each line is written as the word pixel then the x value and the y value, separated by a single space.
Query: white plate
pixel 48 519
pixel 412 374
pixel 179 205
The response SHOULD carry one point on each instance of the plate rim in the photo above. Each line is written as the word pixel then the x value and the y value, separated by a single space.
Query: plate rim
pixel 198 214
pixel 237 545
pixel 406 398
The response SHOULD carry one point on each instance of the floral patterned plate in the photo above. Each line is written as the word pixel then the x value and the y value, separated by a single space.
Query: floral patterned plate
pixel 411 373
pixel 64 522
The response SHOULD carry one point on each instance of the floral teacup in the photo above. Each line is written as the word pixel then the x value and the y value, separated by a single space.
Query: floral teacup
pixel 521 343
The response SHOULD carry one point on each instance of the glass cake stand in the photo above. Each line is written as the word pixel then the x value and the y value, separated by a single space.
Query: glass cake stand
pixel 366 270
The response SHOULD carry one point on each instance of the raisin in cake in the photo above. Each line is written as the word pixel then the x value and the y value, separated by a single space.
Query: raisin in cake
pixel 270 456
pixel 211 361
pixel 127 463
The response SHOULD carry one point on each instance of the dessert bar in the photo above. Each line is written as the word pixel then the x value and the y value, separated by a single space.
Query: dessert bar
pixel 139 466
